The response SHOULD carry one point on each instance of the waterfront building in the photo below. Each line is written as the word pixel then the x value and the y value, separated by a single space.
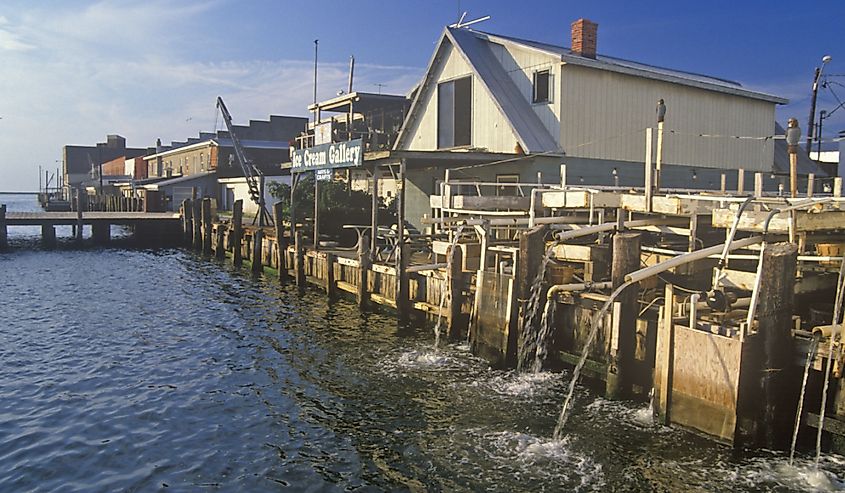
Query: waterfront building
pixel 82 163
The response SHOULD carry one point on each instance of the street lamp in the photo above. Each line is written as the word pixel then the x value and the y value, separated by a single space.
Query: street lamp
pixel 811 125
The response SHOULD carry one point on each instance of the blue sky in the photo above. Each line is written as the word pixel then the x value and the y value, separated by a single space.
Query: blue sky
pixel 74 71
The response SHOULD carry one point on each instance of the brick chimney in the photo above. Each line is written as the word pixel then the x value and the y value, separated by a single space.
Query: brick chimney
pixel 584 36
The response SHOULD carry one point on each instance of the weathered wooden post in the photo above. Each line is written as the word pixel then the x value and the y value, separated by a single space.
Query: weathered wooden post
pixel 281 241
pixel 206 226
pixel 257 251
pixel 187 221
pixel 197 214
pixel 362 295
pixel 402 281
pixel 774 319
pixel 101 232
pixel 236 235
pixel 4 236
pixel 79 223
pixel 299 260
pixel 532 249
pixel 623 338
pixel 48 236
pixel 331 285
pixel 455 279
pixel 220 243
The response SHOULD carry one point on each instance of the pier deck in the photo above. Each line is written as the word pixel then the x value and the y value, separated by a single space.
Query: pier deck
pixel 88 218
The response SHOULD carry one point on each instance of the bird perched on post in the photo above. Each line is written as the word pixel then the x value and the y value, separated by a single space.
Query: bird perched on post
pixel 661 110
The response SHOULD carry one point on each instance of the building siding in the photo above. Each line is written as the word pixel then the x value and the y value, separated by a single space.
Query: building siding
pixel 490 130
pixel 604 116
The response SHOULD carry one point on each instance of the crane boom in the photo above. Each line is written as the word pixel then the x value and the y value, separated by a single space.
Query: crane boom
pixel 249 169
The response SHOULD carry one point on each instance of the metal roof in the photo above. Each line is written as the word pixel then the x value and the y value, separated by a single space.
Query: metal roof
pixel 603 62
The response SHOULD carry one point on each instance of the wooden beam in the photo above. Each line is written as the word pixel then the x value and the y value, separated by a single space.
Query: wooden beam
pixel 237 233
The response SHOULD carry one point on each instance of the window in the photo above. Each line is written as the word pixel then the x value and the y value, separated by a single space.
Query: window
pixel 454 113
pixel 506 191
pixel 542 86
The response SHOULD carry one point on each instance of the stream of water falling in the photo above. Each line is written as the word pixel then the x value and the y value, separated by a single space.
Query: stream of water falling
pixel 811 353
pixel 445 292
pixel 529 338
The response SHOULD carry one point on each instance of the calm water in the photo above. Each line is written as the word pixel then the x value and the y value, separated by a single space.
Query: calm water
pixel 134 370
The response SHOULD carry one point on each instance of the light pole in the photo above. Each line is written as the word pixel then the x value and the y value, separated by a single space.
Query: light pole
pixel 822 116
pixel 811 125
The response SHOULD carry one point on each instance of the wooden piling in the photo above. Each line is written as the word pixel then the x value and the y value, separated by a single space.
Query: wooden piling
pixel 456 299
pixel 206 226
pixel 362 295
pixel 220 242
pixel 79 223
pixel 257 251
pixel 187 221
pixel 331 285
pixel 299 260
pixel 4 236
pixel 101 233
pixel 281 241
pixel 48 236
pixel 623 345
pixel 197 215
pixel 532 249
pixel 236 235
pixel 402 258
pixel 774 319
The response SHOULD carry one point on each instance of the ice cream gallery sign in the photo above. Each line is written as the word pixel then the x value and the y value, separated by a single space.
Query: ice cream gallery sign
pixel 327 156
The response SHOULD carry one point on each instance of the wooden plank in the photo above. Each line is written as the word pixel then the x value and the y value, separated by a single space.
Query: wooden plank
pixel 349 262
pixel 490 202
pixel 384 269
pixel 347 287
pixel 804 222
pixel 381 300
pixel 579 199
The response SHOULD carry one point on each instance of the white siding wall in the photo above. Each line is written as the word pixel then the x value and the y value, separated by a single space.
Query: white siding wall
pixel 520 65
pixel 604 115
pixel 490 130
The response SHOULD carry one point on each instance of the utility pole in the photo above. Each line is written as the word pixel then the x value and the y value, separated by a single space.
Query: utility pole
pixel 812 123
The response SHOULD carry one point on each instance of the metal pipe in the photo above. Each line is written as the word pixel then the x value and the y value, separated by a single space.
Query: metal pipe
pixel 723 259
pixel 686 258
pixel 582 286
pixel 610 226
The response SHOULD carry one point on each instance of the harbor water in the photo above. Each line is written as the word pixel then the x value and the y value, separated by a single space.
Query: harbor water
pixel 144 370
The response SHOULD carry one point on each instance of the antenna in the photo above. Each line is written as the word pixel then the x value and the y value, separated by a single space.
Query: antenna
pixel 461 22
pixel 380 86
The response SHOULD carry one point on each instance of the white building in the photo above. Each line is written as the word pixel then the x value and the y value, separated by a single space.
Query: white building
pixel 489 93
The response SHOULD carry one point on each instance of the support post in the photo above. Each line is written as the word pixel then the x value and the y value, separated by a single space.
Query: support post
pixel 620 371
pixel 837 187
pixel 402 288
pixel 774 319
pixel 206 226
pixel 197 214
pixel 811 184
pixel 758 184
pixel 316 212
pixel 237 233
pixel 331 285
pixel 373 247
pixel 664 359
pixel 455 279
pixel 723 180
pixel 4 235
pixel 281 241
pixel 740 181
pixel 79 223
pixel 101 232
pixel 257 250
pixel 299 260
pixel 658 161
pixel 363 295
pixel 220 243
pixel 649 177
pixel 187 223
pixel 793 174
pixel 48 236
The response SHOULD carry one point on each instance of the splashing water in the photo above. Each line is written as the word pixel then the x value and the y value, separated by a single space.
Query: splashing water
pixel 530 340
pixel 543 336
pixel 445 291
pixel 576 373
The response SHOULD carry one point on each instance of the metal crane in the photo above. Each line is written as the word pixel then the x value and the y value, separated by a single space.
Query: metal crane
pixel 252 174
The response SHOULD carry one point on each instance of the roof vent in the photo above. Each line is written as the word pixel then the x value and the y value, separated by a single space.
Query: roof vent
pixel 584 37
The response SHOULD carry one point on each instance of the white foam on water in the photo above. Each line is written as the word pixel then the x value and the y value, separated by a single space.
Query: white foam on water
pixel 638 417
pixel 522 384
pixel 562 465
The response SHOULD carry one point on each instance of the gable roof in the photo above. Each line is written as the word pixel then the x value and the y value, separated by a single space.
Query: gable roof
pixel 523 121
pixel 620 65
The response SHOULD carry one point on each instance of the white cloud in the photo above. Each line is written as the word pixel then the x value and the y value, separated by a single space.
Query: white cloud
pixel 71 87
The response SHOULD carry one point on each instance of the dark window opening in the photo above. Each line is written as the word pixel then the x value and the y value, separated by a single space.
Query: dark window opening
pixel 454 113
pixel 542 85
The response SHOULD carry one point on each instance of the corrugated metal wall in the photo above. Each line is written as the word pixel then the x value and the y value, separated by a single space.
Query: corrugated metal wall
pixel 604 115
